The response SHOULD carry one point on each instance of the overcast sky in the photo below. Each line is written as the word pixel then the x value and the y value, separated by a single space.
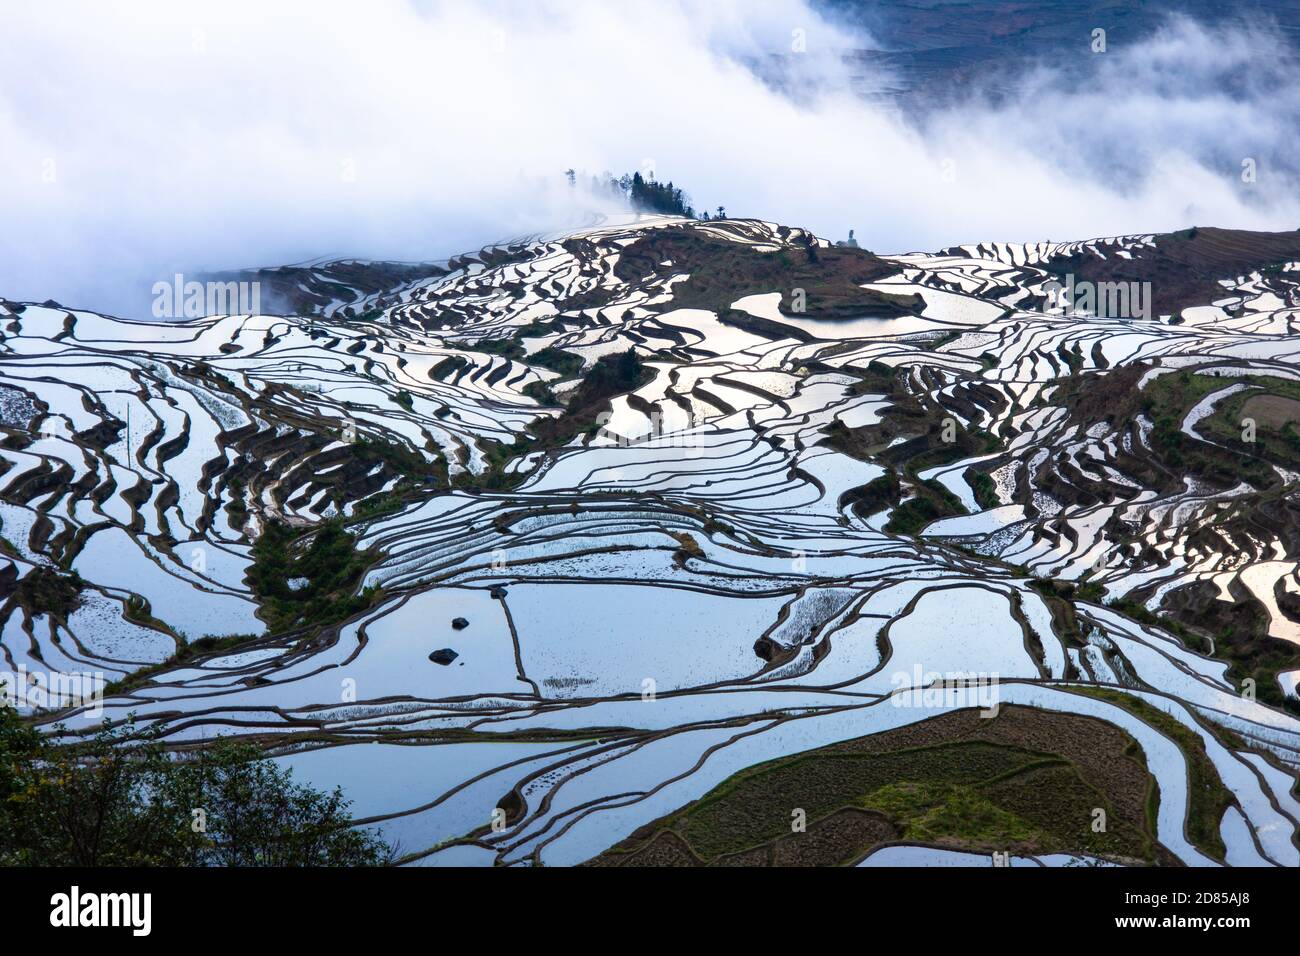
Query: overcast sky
pixel 144 138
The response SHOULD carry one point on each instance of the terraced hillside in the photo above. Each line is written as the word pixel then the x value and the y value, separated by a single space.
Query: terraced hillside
pixel 573 548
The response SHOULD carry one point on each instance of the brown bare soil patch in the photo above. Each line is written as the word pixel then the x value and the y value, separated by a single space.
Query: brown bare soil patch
pixel 1272 411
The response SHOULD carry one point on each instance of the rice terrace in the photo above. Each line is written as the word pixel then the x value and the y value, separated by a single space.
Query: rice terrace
pixel 664 536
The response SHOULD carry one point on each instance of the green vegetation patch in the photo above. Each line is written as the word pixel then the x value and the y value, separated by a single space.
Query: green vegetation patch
pixel 975 794
pixel 372 451
pixel 116 800
pixel 756 806
pixel 937 813
pixel 986 493
pixel 875 496
pixel 1273 406
pixel 932 501
pixel 326 559
pixel 1208 798
pixel 541 393
pixel 558 360
pixel 448 367
pixel 47 591
pixel 1167 399
pixel 506 348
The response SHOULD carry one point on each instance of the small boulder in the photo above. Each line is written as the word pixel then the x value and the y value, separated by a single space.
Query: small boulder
pixel 497 593
pixel 459 623
pixel 443 656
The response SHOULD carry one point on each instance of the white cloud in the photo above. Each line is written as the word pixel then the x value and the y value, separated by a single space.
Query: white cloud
pixel 182 141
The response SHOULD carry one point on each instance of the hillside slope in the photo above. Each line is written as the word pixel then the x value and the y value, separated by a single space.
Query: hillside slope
pixel 585 527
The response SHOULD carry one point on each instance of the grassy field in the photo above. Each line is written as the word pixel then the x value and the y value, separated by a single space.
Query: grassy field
pixel 1273 405
pixel 1026 781
pixel 1208 798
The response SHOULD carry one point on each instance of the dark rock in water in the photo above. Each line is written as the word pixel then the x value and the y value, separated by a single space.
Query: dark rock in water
pixel 459 623
pixel 497 593
pixel 443 656
pixel 766 648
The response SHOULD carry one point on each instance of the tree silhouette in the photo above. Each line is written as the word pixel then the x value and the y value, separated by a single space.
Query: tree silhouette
pixel 649 195
pixel 643 193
